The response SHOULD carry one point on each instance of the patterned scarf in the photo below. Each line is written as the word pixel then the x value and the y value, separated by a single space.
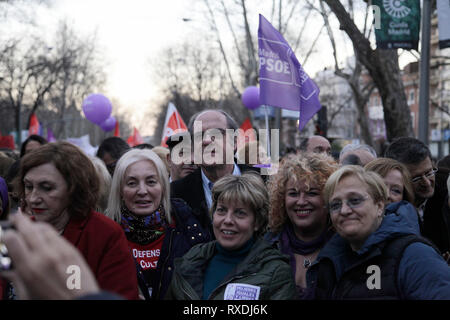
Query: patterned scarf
pixel 4 194
pixel 146 229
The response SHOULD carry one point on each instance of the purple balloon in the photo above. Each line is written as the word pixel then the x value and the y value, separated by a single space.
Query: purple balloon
pixel 109 124
pixel 97 108
pixel 250 97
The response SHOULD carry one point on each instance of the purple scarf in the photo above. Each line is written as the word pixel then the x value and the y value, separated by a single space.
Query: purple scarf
pixel 290 245
pixel 290 242
pixel 4 194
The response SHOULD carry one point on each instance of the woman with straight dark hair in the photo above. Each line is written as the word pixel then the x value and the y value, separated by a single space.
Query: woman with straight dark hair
pixel 32 143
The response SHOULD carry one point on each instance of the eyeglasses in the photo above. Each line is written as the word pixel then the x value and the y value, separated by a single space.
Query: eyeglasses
pixel 352 203
pixel 427 175
pixel 213 133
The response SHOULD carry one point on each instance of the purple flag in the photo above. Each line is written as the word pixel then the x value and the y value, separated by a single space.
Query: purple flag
pixel 283 82
pixel 50 136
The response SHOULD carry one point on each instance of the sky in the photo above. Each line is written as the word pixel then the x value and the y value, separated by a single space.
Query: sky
pixel 130 34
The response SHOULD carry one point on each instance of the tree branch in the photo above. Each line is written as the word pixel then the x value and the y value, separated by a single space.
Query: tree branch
pixel 222 50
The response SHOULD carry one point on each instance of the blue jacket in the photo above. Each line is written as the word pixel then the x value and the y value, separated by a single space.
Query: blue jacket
pixel 422 272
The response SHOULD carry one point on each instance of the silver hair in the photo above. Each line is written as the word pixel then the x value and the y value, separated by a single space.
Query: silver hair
pixel 130 157
pixel 354 146
pixel 231 123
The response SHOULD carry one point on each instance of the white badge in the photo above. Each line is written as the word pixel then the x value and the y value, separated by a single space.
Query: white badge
pixel 241 291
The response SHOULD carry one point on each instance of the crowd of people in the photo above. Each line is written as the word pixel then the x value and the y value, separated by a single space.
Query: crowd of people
pixel 139 224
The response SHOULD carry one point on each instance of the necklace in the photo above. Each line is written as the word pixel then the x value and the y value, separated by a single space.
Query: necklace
pixel 306 263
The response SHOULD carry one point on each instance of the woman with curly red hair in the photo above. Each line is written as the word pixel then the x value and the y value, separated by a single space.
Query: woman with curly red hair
pixel 298 219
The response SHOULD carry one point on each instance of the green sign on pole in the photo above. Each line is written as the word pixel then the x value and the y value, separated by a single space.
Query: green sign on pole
pixel 399 24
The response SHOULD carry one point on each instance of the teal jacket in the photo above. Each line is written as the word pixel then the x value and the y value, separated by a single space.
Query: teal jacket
pixel 264 268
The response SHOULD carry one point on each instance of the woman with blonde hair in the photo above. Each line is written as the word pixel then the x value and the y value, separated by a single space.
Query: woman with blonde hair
pixel 298 219
pixel 396 177
pixel 163 153
pixel 157 227
pixel 105 183
pixel 377 252
pixel 240 264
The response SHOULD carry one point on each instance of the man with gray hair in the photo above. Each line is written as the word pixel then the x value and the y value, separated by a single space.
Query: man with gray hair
pixel 211 147
pixel 364 152
pixel 316 144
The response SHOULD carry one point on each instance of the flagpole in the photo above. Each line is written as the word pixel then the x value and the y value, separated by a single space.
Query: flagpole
pixel 266 114
pixel 178 120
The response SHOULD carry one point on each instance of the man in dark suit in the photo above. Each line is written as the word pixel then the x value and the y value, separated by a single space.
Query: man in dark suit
pixel 210 153
pixel 416 156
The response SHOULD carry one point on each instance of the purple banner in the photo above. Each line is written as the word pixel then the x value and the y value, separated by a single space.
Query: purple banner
pixel 283 82
pixel 50 136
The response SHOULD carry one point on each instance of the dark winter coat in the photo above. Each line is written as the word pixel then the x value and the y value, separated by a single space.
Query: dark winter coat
pixel 190 189
pixel 418 273
pixel 264 267
pixel 178 240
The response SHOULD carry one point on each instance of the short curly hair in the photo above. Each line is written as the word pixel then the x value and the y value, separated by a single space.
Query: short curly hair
pixel 310 167
pixel 76 168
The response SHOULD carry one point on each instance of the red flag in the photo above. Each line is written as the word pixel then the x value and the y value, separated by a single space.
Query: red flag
pixel 173 124
pixel 135 138
pixel 249 136
pixel 116 129
pixel 246 125
pixel 7 142
pixel 34 125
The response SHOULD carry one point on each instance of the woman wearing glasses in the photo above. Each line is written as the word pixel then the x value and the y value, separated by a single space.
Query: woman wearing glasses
pixel 298 219
pixel 376 254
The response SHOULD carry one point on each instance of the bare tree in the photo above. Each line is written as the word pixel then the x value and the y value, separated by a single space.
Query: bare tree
pixel 361 92
pixel 80 73
pixel 36 75
pixel 22 70
pixel 191 69
pixel 245 41
pixel 192 77
pixel 383 68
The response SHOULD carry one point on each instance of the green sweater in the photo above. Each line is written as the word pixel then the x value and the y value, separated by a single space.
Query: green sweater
pixel 221 264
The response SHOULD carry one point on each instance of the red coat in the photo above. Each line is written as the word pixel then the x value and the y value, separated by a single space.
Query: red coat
pixel 105 248
pixel 3 284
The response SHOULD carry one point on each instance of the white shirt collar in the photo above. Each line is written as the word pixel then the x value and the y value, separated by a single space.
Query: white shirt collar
pixel 206 182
